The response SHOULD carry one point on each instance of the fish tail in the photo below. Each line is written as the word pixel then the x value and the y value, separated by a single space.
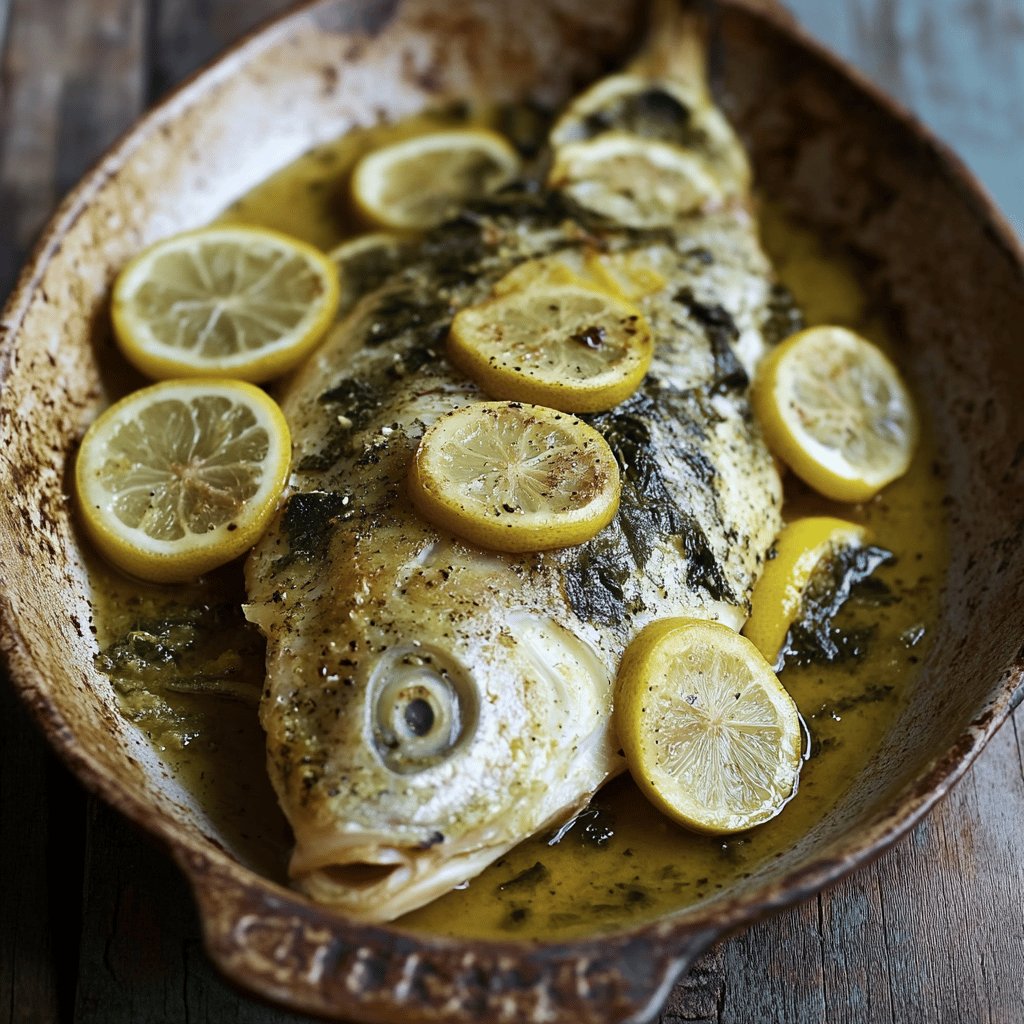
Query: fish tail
pixel 675 47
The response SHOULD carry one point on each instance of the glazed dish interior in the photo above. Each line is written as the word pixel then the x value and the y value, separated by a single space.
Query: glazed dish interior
pixel 825 152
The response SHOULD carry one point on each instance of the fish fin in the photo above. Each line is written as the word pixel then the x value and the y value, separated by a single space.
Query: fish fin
pixel 675 47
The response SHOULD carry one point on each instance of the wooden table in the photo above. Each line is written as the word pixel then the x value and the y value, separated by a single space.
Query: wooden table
pixel 96 925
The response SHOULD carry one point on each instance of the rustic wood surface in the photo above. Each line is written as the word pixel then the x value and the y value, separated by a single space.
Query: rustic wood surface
pixel 97 926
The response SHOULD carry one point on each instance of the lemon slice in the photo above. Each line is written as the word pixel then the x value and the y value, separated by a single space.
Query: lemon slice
pixel 564 268
pixel 364 263
pixel 227 301
pixel 625 274
pixel 414 184
pixel 709 733
pixel 802 546
pixel 515 477
pixel 641 183
pixel 836 410
pixel 569 347
pixel 183 476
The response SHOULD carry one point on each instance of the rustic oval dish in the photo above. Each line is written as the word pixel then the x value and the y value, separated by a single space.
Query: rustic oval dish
pixel 826 145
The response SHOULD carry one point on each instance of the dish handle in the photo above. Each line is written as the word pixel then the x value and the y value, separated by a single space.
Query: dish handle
pixel 297 954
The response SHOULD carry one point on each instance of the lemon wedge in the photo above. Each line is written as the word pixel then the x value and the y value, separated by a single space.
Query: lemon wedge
pixel 709 733
pixel 800 549
pixel 642 183
pixel 228 301
pixel 414 184
pixel 515 477
pixel 837 412
pixel 182 476
pixel 567 346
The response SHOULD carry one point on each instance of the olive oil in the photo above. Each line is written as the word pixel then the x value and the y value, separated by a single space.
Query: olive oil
pixel 620 862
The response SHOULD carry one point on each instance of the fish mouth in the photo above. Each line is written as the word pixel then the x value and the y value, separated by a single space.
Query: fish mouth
pixel 377 883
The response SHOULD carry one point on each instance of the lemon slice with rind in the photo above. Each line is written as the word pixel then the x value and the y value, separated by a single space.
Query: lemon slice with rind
pixel 563 268
pixel 228 301
pixel 625 274
pixel 709 733
pixel 365 262
pixel 836 410
pixel 802 547
pixel 182 476
pixel 514 477
pixel 567 346
pixel 415 184
pixel 637 182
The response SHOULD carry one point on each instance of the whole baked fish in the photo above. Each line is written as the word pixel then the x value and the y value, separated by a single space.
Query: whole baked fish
pixel 429 704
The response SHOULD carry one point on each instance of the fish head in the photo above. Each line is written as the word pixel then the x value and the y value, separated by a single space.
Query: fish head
pixel 463 720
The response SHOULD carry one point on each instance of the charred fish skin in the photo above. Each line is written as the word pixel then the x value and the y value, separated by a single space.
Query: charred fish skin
pixel 428 704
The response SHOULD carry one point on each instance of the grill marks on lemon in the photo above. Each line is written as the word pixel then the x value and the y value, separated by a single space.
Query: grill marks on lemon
pixel 183 476
pixel 557 344
pixel 415 184
pixel 224 301
pixel 836 410
pixel 709 733
pixel 515 477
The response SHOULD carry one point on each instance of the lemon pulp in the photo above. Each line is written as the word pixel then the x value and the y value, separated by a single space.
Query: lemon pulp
pixel 835 409
pixel 237 302
pixel 414 184
pixel 515 477
pixel 709 732
pixel 569 347
pixel 183 476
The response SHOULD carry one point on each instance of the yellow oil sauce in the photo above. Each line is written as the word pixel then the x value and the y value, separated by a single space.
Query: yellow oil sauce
pixel 621 862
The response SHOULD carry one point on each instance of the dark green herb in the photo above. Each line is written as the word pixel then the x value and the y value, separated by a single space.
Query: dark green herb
pixel 721 331
pixel 652 114
pixel 309 519
pixel 199 651
pixel 650 509
pixel 525 125
pixel 783 316
pixel 814 639
pixel 527 879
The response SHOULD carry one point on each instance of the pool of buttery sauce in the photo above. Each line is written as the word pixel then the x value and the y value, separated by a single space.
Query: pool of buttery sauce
pixel 189 670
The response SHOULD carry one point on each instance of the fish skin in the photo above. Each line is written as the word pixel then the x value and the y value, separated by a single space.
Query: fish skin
pixel 354 591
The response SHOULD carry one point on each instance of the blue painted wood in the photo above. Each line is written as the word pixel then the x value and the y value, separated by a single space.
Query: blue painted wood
pixel 957 64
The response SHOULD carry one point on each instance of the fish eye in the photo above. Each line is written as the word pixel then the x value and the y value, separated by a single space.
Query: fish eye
pixel 420 708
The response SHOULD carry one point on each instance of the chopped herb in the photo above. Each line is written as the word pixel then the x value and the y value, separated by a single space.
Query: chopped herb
pixel 814 639
pixel 527 879
pixel 721 331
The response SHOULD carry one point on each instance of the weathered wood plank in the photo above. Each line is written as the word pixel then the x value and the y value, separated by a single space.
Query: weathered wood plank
pixel 41 809
pixel 51 53
pixel 5 12
pixel 185 34
pixel 142 960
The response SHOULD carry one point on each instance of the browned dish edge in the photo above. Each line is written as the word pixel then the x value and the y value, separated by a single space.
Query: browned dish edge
pixel 273 941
